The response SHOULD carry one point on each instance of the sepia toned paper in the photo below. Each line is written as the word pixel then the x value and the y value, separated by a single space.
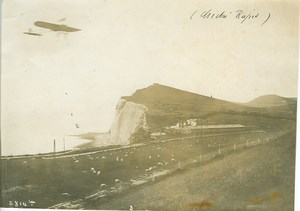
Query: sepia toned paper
pixel 147 105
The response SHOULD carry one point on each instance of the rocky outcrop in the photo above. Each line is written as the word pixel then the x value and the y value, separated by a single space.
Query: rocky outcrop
pixel 129 118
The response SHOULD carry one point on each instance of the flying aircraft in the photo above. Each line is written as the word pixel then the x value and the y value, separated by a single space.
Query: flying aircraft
pixel 53 27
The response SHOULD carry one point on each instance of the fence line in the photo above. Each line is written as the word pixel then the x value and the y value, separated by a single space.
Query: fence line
pixel 227 149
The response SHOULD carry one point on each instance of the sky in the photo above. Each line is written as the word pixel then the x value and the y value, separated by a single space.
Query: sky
pixel 128 45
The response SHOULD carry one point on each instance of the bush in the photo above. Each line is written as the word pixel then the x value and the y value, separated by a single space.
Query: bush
pixel 141 135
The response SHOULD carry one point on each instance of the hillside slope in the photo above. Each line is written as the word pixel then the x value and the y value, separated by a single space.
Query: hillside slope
pixel 168 105
pixel 260 178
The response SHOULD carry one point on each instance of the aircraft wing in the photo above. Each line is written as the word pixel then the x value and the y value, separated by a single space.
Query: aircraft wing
pixel 55 27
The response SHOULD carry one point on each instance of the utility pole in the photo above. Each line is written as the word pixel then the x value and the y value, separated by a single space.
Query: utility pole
pixel 64 144
pixel 6 161
pixel 54 146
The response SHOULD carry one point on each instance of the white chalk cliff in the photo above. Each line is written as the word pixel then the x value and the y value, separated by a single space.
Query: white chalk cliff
pixel 129 117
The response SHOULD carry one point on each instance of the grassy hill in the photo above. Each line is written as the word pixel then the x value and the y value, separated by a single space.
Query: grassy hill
pixel 169 105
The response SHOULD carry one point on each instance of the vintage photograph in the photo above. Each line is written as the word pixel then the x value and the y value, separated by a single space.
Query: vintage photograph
pixel 149 105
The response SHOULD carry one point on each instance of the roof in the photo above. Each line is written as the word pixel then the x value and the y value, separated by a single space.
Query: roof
pixel 216 126
pixel 158 134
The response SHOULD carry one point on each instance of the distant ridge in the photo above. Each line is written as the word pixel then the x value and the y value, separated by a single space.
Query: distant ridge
pixel 270 101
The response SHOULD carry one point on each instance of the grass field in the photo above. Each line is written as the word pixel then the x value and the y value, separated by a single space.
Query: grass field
pixel 79 181
pixel 258 178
